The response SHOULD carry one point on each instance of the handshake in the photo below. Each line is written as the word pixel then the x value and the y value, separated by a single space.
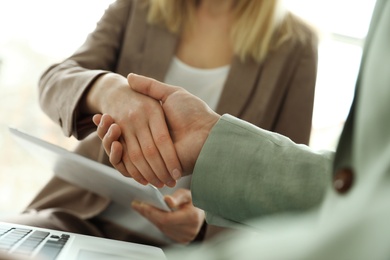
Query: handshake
pixel 161 134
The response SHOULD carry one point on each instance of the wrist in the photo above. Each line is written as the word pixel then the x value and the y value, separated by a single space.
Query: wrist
pixel 203 134
pixel 208 126
pixel 103 89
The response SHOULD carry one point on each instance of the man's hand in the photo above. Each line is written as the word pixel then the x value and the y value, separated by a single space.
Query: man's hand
pixel 189 119
pixel 182 224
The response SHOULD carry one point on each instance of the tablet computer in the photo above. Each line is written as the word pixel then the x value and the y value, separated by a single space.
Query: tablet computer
pixel 88 174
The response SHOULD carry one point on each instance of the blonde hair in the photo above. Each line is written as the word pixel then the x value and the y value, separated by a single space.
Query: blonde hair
pixel 260 26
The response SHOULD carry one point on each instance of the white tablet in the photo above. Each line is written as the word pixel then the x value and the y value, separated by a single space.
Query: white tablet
pixel 89 174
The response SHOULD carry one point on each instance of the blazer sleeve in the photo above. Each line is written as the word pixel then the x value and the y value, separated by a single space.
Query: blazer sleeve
pixel 62 85
pixel 244 172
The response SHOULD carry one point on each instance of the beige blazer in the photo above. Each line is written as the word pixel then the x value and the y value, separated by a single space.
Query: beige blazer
pixel 276 95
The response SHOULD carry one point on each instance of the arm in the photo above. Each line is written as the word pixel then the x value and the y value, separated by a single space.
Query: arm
pixel 268 171
pixel 63 86
pixel 83 85
pixel 244 172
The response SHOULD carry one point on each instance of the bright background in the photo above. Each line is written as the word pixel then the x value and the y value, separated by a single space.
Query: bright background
pixel 35 34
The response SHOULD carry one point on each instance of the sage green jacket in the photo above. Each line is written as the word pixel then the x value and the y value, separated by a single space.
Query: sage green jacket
pixel 244 172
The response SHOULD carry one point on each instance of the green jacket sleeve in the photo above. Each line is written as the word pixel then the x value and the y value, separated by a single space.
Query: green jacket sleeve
pixel 244 172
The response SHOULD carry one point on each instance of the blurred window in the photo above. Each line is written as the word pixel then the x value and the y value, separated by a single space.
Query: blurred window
pixel 344 25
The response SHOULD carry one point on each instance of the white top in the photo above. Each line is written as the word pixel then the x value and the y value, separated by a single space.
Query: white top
pixel 207 84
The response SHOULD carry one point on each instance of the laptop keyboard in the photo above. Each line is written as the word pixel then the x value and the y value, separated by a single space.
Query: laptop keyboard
pixel 24 242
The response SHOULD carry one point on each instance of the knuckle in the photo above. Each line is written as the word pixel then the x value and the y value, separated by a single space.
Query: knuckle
pixel 195 216
pixel 150 151
pixel 153 85
pixel 172 162
pixel 135 156
pixel 133 115
pixel 162 138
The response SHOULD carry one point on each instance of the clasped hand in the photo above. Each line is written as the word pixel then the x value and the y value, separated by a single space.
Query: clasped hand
pixel 188 120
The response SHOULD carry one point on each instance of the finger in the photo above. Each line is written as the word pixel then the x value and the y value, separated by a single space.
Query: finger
pixel 178 198
pixel 171 202
pixel 148 211
pixel 112 134
pixel 136 163
pixel 116 153
pixel 96 119
pixel 159 128
pixel 150 87
pixel 105 122
pixel 128 169
pixel 154 159
pixel 166 148
pixel 113 147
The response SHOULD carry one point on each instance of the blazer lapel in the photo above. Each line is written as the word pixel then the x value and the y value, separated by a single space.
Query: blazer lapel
pixel 159 49
pixel 344 149
pixel 238 88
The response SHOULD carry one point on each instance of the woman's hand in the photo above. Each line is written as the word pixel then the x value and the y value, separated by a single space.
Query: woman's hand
pixel 144 135
pixel 182 224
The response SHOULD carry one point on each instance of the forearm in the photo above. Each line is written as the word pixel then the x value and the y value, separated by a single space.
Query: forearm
pixel 63 86
pixel 61 89
pixel 245 172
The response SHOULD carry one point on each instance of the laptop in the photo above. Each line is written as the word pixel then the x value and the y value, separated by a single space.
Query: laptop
pixel 27 242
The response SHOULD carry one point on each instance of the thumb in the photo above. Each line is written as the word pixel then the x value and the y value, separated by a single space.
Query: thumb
pixel 178 199
pixel 171 202
pixel 150 87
